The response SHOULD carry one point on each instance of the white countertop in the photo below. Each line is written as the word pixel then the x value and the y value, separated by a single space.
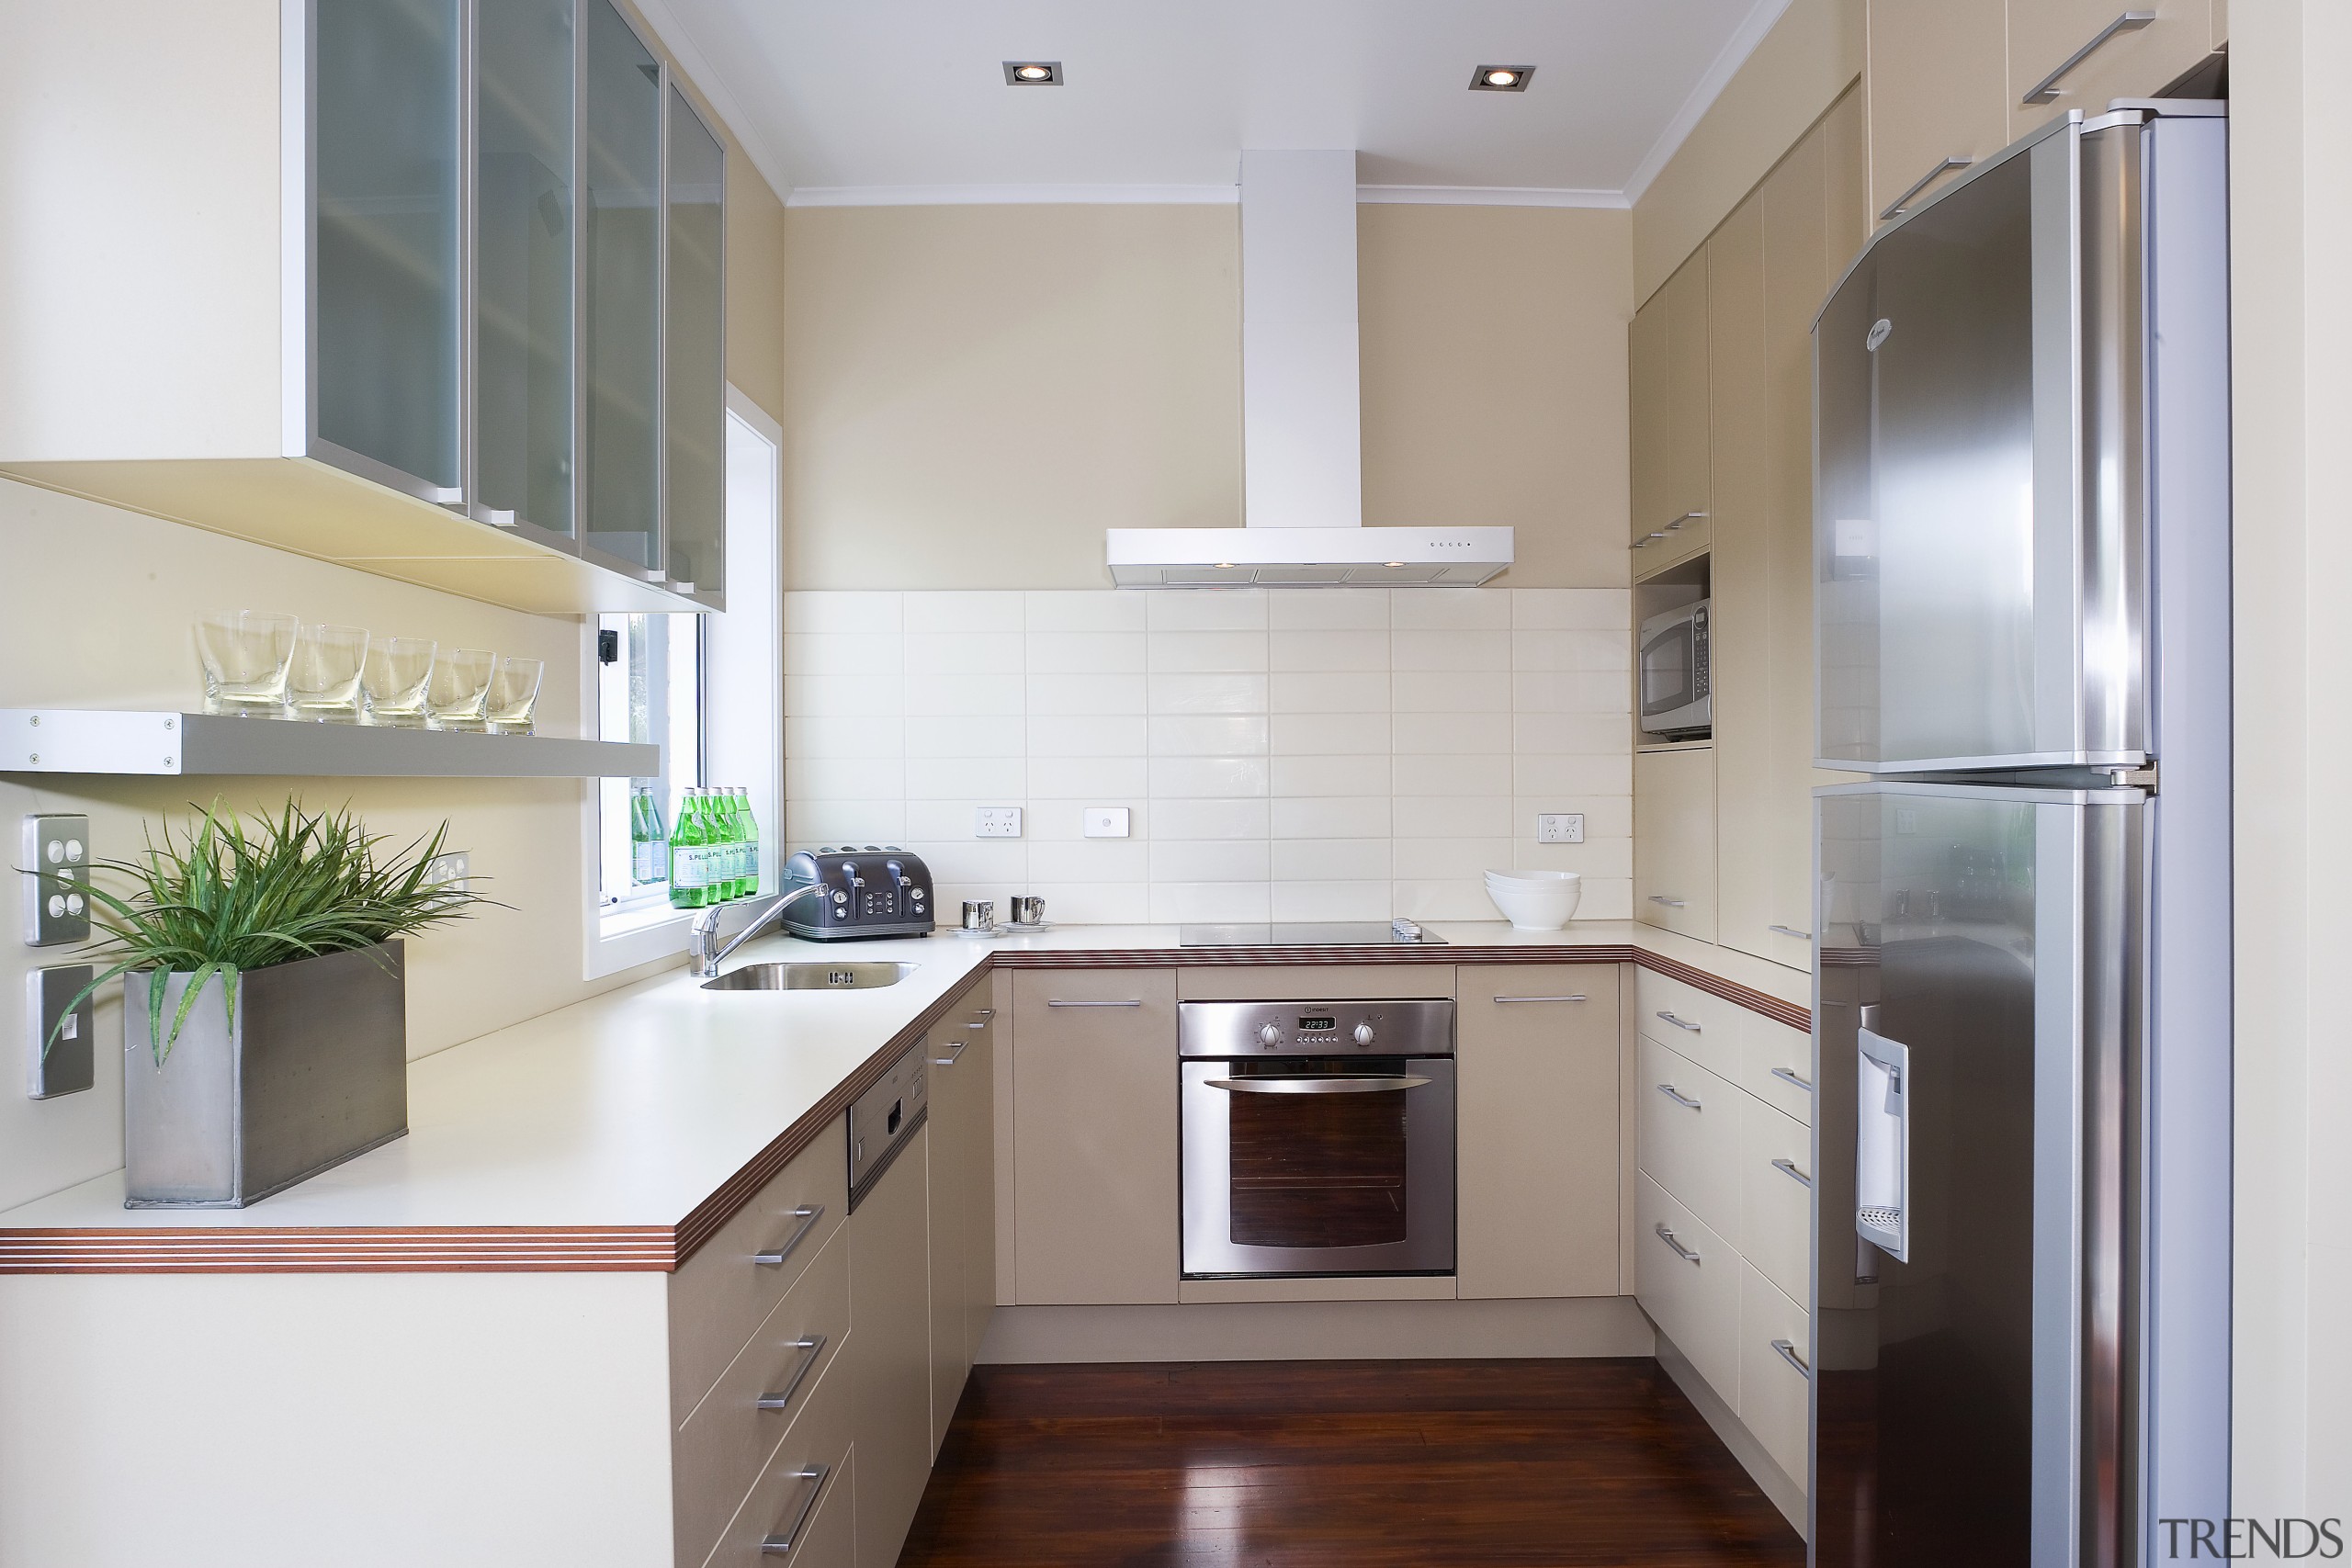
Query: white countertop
pixel 632 1108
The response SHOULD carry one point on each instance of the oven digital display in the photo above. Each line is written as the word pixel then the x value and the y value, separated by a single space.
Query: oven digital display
pixel 1309 1025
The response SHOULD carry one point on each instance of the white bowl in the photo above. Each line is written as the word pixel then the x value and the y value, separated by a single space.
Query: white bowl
pixel 1535 900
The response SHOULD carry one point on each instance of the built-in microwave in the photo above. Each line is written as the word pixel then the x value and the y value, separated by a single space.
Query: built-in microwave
pixel 1676 689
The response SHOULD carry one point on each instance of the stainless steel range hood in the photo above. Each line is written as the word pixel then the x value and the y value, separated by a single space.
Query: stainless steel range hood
pixel 1301 416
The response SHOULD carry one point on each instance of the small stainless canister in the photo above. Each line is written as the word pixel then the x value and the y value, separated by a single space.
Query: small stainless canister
pixel 980 914
pixel 1028 912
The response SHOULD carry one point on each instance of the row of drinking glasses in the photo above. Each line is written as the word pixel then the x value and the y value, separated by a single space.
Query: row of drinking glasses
pixel 257 662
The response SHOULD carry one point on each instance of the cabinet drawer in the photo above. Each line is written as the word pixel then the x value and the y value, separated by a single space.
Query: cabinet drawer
pixel 718 1452
pixel 817 1511
pixel 1776 1066
pixel 1775 1396
pixel 1687 1279
pixel 1702 1027
pixel 1687 1123
pixel 1776 1200
pixel 724 1293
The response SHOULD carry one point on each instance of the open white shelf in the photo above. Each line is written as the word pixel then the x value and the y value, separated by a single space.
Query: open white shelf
pixel 94 740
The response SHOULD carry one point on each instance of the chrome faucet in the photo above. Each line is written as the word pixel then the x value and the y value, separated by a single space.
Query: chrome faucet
pixel 702 942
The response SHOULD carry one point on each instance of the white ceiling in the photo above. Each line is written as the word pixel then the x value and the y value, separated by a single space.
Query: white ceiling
pixel 873 100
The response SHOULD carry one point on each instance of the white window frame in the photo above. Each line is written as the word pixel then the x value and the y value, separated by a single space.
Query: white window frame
pixel 743 730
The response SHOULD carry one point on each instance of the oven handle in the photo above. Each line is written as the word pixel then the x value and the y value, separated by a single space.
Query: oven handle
pixel 1315 1086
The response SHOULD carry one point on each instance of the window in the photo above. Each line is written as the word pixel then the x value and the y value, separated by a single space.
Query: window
pixel 708 688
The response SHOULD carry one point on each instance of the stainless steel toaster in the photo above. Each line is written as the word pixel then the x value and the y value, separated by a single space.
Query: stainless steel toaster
pixel 880 890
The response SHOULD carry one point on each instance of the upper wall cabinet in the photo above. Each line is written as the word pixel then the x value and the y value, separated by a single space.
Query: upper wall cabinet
pixel 429 287
pixel 1667 373
pixel 2082 54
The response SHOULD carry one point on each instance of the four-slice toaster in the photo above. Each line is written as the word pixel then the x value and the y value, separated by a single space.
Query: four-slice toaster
pixel 880 890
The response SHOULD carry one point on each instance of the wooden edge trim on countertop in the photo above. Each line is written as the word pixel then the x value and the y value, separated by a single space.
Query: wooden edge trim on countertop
pixel 195 1249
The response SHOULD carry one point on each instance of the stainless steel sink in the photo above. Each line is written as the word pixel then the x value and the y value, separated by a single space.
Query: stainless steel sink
pixel 848 977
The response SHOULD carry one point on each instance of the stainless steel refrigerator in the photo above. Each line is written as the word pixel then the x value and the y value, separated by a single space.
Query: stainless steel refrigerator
pixel 2021 1002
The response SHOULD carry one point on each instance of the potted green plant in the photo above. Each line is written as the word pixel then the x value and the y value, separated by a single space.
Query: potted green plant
pixel 265 1009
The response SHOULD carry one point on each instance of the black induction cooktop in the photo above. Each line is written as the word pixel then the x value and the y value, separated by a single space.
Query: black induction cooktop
pixel 1311 933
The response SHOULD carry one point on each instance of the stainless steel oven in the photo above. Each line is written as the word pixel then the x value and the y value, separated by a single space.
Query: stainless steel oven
pixel 1318 1137
pixel 1678 686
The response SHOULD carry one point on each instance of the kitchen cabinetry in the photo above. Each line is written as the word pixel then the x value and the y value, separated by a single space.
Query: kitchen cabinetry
pixel 1938 81
pixel 388 313
pixel 1668 368
pixel 1674 839
pixel 891 1301
pixel 1094 1135
pixel 1538 1103
pixel 2076 51
pixel 963 1199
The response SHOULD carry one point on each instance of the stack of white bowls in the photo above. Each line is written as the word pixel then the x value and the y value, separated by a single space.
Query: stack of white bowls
pixel 1535 900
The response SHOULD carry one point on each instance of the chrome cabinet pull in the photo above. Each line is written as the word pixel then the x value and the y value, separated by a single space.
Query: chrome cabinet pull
pixel 1791 931
pixel 1680 1251
pixel 783 1542
pixel 815 1345
pixel 2046 90
pixel 984 1013
pixel 1645 541
pixel 1895 209
pixel 1681 1023
pixel 1686 517
pixel 1315 1086
pixel 1788 1167
pixel 807 1214
pixel 949 1059
pixel 1672 1093
pixel 1670 903
pixel 1788 1353
pixel 1789 1075
pixel 1509 1002
pixel 1062 1004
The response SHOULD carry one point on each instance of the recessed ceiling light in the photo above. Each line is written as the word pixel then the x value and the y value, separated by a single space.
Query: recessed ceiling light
pixel 1033 73
pixel 1501 78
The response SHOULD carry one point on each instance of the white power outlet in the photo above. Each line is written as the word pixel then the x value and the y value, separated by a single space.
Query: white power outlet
pixel 452 870
pixel 996 822
pixel 1559 828
pixel 1104 821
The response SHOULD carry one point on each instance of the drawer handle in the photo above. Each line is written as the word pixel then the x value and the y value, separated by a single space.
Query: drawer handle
pixel 1645 541
pixel 1670 903
pixel 1894 208
pixel 1680 1251
pixel 1508 1001
pixel 1668 1091
pixel 2046 90
pixel 1062 1004
pixel 807 1214
pixel 1788 1167
pixel 976 1026
pixel 1791 931
pixel 815 1345
pixel 1681 1023
pixel 949 1059
pixel 1789 1075
pixel 784 1541
pixel 1788 1352
pixel 1686 517
pixel 984 1013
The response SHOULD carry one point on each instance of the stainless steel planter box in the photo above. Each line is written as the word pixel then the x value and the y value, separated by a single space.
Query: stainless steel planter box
pixel 315 1071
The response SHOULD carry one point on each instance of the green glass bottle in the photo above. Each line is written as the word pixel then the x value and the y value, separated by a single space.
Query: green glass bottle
pixel 649 840
pixel 689 860
pixel 751 843
pixel 726 874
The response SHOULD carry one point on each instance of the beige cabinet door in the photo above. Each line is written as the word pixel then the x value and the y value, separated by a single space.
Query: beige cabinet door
pixel 1648 375
pixel 2121 62
pixel 978 1193
pixel 1689 420
pixel 1687 1279
pixel 1938 79
pixel 1537 1111
pixel 889 1347
pixel 1674 839
pixel 1094 1135
pixel 954 1130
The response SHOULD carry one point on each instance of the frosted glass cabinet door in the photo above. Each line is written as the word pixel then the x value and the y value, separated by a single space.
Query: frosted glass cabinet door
pixel 695 375
pixel 523 272
pixel 386 293
pixel 622 126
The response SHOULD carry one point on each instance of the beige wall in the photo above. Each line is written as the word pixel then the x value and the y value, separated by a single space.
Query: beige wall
pixel 1810 56
pixel 2291 227
pixel 978 392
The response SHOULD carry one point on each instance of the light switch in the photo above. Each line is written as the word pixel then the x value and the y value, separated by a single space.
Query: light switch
pixel 1559 828
pixel 57 862
pixel 69 1066
pixel 1105 822
pixel 996 822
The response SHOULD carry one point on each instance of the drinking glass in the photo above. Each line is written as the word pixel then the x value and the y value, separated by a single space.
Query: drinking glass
pixel 513 692
pixel 394 678
pixel 458 688
pixel 246 654
pixel 324 682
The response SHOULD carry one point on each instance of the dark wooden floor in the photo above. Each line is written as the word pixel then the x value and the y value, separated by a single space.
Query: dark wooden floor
pixel 1365 1464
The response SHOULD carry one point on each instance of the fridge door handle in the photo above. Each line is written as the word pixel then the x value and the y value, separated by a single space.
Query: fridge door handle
pixel 1882 1142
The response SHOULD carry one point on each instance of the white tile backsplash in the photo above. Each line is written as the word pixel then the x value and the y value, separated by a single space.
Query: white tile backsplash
pixel 1291 755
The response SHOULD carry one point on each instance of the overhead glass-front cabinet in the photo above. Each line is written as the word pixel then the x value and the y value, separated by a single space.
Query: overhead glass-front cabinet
pixel 622 344
pixel 694 358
